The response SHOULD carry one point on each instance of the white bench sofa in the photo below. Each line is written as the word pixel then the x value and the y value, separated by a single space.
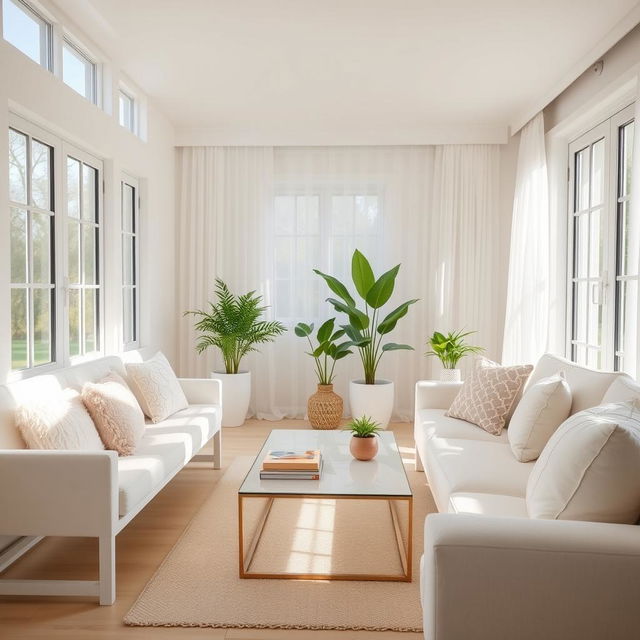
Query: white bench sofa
pixel 488 570
pixel 76 493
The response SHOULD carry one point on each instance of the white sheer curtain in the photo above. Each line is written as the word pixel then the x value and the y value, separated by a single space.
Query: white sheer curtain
pixel 264 218
pixel 527 312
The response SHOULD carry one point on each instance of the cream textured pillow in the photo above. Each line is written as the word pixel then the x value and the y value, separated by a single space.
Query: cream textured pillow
pixel 58 422
pixel 622 389
pixel 156 387
pixel 487 396
pixel 542 409
pixel 590 468
pixel 115 412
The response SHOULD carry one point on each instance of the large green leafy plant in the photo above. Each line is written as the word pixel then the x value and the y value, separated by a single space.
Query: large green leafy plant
pixel 327 351
pixel 233 325
pixel 451 347
pixel 365 329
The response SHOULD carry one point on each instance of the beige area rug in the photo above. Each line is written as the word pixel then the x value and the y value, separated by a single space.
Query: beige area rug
pixel 197 585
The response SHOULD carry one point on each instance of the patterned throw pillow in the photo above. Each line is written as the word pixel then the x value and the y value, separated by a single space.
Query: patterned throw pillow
pixel 488 395
pixel 156 387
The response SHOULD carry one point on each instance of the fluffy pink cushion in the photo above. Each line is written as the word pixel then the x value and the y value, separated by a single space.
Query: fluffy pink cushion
pixel 115 412
pixel 487 397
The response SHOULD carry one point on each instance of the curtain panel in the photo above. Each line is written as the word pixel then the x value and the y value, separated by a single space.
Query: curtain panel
pixel 262 218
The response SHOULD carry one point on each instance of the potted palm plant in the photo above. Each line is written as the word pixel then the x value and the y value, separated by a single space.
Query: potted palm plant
pixel 450 349
pixel 363 444
pixel 233 326
pixel 366 330
pixel 324 407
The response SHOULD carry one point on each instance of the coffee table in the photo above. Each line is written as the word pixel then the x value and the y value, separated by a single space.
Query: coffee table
pixel 343 478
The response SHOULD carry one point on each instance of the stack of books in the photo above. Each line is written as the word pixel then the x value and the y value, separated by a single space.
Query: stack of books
pixel 292 465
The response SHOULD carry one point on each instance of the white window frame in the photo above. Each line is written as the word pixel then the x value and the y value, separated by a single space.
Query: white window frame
pixel 91 71
pixel 609 130
pixel 126 179
pixel 124 91
pixel 46 34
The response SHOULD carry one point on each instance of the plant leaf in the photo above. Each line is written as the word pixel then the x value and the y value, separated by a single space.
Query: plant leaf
pixel 324 332
pixel 357 318
pixel 337 287
pixel 383 288
pixel 362 274
pixel 389 323
pixel 319 350
pixel 392 346
pixel 303 330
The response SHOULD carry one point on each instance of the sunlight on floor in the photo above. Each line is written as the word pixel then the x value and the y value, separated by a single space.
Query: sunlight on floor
pixel 313 539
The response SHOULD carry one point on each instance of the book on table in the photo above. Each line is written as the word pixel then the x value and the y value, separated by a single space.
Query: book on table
pixel 292 465
pixel 291 474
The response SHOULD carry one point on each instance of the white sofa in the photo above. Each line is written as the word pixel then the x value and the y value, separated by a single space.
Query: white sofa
pixel 76 493
pixel 488 570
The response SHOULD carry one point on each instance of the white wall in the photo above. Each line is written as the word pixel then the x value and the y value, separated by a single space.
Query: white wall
pixel 37 95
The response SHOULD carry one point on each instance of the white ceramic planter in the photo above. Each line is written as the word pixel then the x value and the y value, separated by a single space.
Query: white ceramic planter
pixel 450 375
pixel 372 400
pixel 236 394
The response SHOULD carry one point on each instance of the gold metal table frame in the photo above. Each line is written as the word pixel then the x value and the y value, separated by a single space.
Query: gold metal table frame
pixel 404 547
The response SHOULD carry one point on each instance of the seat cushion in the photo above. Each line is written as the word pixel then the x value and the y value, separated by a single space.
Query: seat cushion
pixel 165 448
pixel 434 422
pixel 463 466
pixel 488 504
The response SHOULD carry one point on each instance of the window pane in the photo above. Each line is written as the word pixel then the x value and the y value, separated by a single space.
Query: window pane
pixel 89 208
pixel 284 248
pixel 126 103
pixel 308 215
pixel 627 159
pixel 73 188
pixel 74 322
pixel 78 71
pixel 597 173
pixel 285 215
pixel 128 306
pixel 90 315
pixel 18 246
pixel 41 175
pixel 26 31
pixel 89 253
pixel 628 324
pixel 73 245
pixel 128 221
pixel 342 215
pixel 582 180
pixel 366 215
pixel 17 167
pixel 595 245
pixel 582 245
pixel 19 353
pixel 41 247
pixel 41 326
pixel 127 255
pixel 580 330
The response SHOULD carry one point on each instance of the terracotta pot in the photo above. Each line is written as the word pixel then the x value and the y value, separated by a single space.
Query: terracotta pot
pixel 324 408
pixel 363 448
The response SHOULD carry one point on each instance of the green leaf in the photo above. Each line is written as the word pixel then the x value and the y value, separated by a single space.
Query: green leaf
pixel 303 330
pixel 342 354
pixel 362 274
pixel 325 330
pixel 338 334
pixel 319 350
pixel 389 323
pixel 357 318
pixel 392 346
pixel 337 287
pixel 383 288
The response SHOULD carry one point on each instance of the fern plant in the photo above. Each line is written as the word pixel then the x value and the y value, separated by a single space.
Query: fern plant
pixel 233 325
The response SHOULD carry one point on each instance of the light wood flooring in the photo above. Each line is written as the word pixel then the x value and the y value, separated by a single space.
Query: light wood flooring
pixel 141 547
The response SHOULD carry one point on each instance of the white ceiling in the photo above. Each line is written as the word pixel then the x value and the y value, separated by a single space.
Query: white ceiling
pixel 281 71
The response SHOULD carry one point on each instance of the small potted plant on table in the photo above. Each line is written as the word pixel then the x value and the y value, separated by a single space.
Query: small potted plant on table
pixel 450 349
pixel 324 407
pixel 364 444
pixel 233 325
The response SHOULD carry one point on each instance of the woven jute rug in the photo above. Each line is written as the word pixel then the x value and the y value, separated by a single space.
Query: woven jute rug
pixel 197 585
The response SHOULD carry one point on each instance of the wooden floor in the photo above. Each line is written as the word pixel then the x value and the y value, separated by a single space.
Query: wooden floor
pixel 141 548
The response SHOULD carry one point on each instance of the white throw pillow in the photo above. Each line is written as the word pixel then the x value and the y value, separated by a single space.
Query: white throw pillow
pixel 590 468
pixel 622 389
pixel 543 408
pixel 115 412
pixel 156 387
pixel 58 422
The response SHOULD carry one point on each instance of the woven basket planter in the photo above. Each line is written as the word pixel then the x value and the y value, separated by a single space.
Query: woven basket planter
pixel 324 408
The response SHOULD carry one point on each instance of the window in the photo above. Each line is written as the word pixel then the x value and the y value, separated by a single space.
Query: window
pixel 31 211
pixel 604 247
pixel 79 71
pixel 126 111
pixel 83 253
pixel 319 231
pixel 26 30
pixel 130 278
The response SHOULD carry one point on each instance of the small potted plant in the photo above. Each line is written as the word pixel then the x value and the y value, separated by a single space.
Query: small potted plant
pixel 450 349
pixel 364 444
pixel 324 407
pixel 233 325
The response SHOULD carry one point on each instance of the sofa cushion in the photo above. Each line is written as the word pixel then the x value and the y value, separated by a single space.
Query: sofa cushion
pixel 460 466
pixel 488 504
pixel 165 448
pixel 434 422
pixel 590 468
pixel 622 389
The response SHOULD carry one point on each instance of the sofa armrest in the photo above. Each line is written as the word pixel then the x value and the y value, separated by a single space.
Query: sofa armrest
pixel 433 394
pixel 488 578
pixel 202 390
pixel 63 493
